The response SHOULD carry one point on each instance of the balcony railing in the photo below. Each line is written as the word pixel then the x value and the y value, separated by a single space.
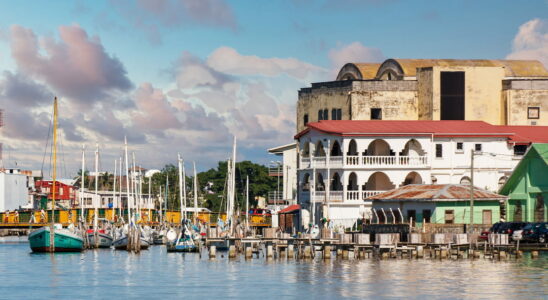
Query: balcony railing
pixel 365 161
pixel 338 196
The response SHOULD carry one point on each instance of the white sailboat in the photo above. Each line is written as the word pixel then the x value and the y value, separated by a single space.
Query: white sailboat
pixel 98 237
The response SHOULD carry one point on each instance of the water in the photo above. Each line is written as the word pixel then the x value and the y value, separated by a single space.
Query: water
pixel 155 274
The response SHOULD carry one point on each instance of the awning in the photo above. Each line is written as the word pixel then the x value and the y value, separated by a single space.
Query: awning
pixel 290 209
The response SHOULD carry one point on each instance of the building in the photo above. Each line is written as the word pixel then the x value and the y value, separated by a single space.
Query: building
pixel 515 91
pixel 286 173
pixel 107 199
pixel 527 187
pixel 65 193
pixel 14 193
pixel 342 163
pixel 436 204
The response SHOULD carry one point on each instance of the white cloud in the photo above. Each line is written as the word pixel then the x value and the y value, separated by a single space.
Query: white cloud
pixel 531 41
pixel 354 52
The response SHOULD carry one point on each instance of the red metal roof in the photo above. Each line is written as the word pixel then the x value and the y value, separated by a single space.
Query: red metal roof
pixel 515 134
pixel 290 209
pixel 432 192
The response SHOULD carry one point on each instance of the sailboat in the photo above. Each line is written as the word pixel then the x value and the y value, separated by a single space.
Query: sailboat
pixel 55 238
pixel 184 242
pixel 98 238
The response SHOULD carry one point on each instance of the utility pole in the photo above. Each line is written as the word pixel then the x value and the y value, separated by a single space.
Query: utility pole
pixel 471 190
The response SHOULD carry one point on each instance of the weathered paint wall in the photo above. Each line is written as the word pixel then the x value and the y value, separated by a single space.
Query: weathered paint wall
pixel 425 79
pixel 461 211
pixel 395 105
pixel 520 100
pixel 312 100
pixel 482 87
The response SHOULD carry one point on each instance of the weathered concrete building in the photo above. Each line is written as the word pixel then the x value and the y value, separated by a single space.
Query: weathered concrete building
pixel 500 92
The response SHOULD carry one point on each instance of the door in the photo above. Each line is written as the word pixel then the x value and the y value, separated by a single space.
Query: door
pixel 449 216
pixel 487 215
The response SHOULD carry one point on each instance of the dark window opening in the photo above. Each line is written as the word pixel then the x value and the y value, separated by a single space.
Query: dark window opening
pixel 412 216
pixel 460 146
pixel 326 114
pixel 449 216
pixel 452 95
pixel 439 150
pixel 426 214
pixel 305 119
pixel 334 114
pixel 376 114
pixel 320 115
pixel 520 149
pixel 339 114
pixel 477 147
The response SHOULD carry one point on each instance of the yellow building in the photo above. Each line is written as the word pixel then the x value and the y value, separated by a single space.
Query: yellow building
pixel 500 92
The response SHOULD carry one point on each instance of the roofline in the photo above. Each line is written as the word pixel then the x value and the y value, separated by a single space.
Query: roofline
pixel 308 129
pixel 437 199
pixel 279 149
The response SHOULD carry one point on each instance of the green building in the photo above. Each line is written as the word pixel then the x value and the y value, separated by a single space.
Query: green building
pixel 436 204
pixel 527 187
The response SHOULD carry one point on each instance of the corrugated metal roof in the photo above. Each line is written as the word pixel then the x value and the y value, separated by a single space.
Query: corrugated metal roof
pixel 515 134
pixel 435 192
pixel 368 70
pixel 290 209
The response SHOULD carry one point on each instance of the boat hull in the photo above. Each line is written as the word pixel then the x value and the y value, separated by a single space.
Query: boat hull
pixel 104 240
pixel 65 241
pixel 121 243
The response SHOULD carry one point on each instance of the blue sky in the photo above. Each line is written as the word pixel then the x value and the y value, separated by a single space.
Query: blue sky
pixel 192 73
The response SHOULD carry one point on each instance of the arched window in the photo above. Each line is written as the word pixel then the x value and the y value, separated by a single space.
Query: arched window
pixel 465 180
pixel 320 115
pixel 306 182
pixel 326 114
pixel 502 181
pixel 352 148
pixel 379 181
pixel 352 182
pixel 320 151
pixel 412 178
pixel 336 149
pixel 306 149
pixel 412 148
pixel 320 185
pixel 336 184
pixel 379 147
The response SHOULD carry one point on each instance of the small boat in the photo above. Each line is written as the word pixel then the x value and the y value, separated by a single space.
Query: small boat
pixel 64 240
pixel 121 242
pixel 104 239
pixel 184 243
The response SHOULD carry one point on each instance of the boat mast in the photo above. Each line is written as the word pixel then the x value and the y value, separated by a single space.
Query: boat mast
pixel 195 194
pixel 135 190
pixel 180 164
pixel 233 184
pixel 54 181
pixel 120 212
pixel 130 215
pixel 97 198
pixel 82 185
pixel 114 199
pixel 247 202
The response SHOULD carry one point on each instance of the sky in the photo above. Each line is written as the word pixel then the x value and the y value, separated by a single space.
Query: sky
pixel 185 76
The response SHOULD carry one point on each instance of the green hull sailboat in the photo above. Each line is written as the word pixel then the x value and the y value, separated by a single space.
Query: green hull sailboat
pixel 64 240
pixel 58 240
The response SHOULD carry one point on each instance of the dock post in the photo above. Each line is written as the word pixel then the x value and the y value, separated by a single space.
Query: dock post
pixel 326 252
pixel 290 252
pixel 534 254
pixel 212 251
pixel 232 251
pixel 307 252
pixel 269 251
pixel 339 252
pixel 502 255
pixel 420 251
pixel 248 252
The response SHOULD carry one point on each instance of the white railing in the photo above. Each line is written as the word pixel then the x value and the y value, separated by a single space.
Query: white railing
pixel 353 195
pixel 334 196
pixel 366 161
pixel 366 194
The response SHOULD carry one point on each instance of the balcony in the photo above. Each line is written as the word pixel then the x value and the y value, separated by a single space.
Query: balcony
pixel 359 161
pixel 338 196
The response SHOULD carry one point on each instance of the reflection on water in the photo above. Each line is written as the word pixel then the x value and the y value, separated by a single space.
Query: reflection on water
pixel 156 274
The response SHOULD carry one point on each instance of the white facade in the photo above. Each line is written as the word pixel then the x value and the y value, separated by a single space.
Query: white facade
pixel 360 166
pixel 288 170
pixel 107 199
pixel 14 192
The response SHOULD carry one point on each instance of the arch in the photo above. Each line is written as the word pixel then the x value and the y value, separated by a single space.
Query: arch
pixel 306 182
pixel 336 149
pixel 320 151
pixel 336 184
pixel 353 71
pixel 412 178
pixel 306 149
pixel 378 147
pixel 352 148
pixel 434 179
pixel 465 180
pixel 320 184
pixel 502 181
pixel 413 148
pixel 379 181
pixel 326 114
pixel 390 69
pixel 352 182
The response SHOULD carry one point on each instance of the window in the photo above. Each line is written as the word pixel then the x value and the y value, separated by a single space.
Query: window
pixel 305 119
pixel 326 114
pixel 412 216
pixel 449 216
pixel 439 150
pixel 477 147
pixel 426 214
pixel 336 114
pixel 339 114
pixel 520 149
pixel 533 112
pixel 320 115
pixel 460 147
pixel 376 114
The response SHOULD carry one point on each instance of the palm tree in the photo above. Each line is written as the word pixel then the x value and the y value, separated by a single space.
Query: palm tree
pixel 78 177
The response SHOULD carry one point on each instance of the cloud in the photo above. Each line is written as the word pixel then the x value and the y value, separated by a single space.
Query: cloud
pixel 151 16
pixel 77 66
pixel 154 112
pixel 354 52
pixel 19 90
pixel 228 60
pixel 531 41
pixel 191 71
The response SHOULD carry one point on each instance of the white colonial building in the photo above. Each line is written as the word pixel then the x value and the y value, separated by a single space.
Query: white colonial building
pixel 107 199
pixel 341 163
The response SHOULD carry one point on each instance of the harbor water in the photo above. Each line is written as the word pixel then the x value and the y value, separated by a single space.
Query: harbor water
pixel 155 274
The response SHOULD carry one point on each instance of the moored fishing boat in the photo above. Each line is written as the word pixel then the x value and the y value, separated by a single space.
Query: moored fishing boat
pixel 104 240
pixel 64 240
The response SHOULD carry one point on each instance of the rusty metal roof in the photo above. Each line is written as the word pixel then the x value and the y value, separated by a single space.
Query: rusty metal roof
pixel 512 68
pixel 368 70
pixel 436 192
